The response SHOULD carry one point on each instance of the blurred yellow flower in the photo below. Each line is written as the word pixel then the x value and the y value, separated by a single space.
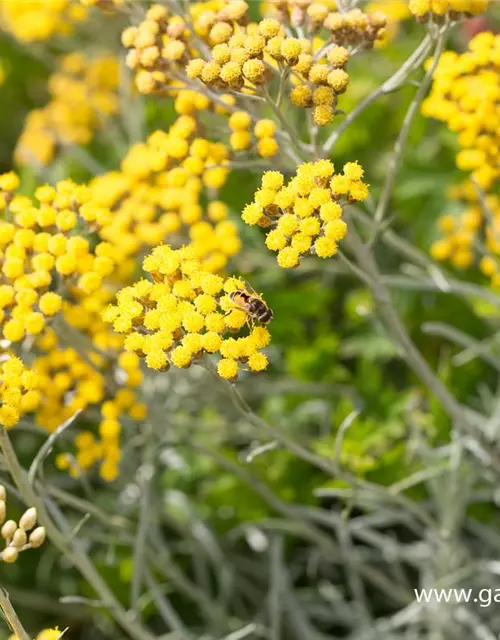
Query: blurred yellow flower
pixel 466 95
pixel 395 11
pixel 38 20
pixel 424 9
pixel 83 94
pixel 46 634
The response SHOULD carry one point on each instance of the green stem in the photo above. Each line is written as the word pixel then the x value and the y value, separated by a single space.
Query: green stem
pixel 402 139
pixel 286 126
pixel 11 616
pixel 393 83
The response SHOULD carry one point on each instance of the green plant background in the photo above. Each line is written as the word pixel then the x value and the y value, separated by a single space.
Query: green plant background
pixel 330 355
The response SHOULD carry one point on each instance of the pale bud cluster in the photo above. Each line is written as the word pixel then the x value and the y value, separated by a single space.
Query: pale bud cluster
pixel 19 536
pixel 158 48
pixel 352 27
pixel 356 27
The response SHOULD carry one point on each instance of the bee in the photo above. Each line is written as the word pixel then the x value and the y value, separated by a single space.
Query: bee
pixel 252 304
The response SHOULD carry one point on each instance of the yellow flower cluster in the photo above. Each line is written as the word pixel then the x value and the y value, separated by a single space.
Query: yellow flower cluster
pixel 42 260
pixel 237 54
pixel 19 391
pixel 460 233
pixel 158 195
pixel 319 84
pixel 264 130
pixel 18 536
pixel 83 94
pixel 228 53
pixel 48 268
pixel 105 449
pixel 184 313
pixel 306 213
pixel 62 371
pixel 41 253
pixel 158 48
pixel 423 10
pixel 38 20
pixel 69 383
pixel 245 57
pixel 466 95
pixel 162 44
pixel 46 634
pixel 102 382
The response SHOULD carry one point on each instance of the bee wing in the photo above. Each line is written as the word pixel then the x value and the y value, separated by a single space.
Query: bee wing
pixel 251 290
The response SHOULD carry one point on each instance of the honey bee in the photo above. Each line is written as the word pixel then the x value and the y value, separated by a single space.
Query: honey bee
pixel 253 305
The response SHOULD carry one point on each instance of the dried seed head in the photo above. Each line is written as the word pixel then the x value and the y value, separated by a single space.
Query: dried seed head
pixel 37 537
pixel 28 519
pixel 10 555
pixel 19 539
pixel 3 493
pixel 8 529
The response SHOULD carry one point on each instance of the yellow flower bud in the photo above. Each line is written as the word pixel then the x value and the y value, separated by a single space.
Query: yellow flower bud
pixel 37 537
pixel 10 555
pixel 28 519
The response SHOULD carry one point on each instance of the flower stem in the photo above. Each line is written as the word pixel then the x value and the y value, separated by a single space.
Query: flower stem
pixel 393 83
pixel 286 126
pixel 402 139
pixel 11 616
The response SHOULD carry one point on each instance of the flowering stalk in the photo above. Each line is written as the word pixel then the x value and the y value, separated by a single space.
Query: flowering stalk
pixel 395 82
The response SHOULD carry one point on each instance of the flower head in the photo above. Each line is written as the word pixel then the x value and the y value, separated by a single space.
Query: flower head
pixel 204 310
pixel 304 216
pixel 424 9
pixel 41 247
